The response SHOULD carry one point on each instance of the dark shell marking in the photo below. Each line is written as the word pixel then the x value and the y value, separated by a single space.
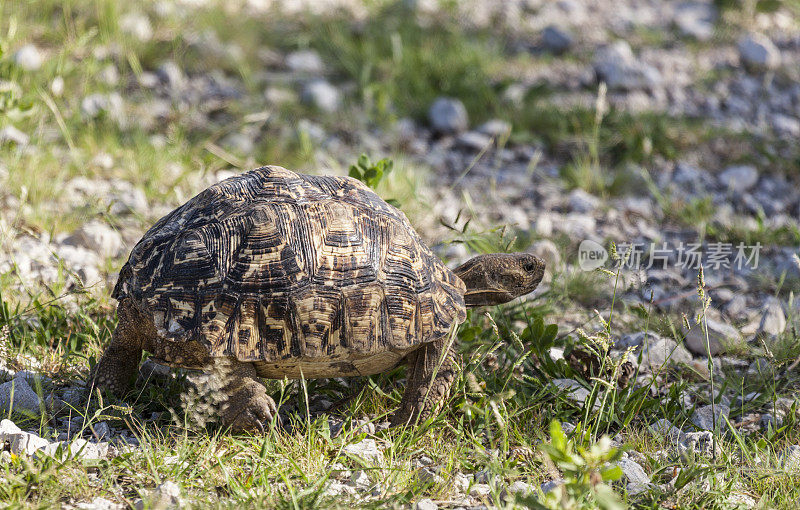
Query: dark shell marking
pixel 294 271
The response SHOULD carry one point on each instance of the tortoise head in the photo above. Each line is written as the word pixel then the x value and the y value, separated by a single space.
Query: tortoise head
pixel 498 278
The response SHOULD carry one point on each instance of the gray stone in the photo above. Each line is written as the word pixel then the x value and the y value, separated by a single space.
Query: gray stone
pixel 635 475
pixel 696 19
pixel 360 480
pixel 617 66
pixel 551 485
pixel 99 504
pixel 171 75
pixel 101 430
pixel 321 95
pixel 10 134
pixel 767 420
pixel 719 335
pixel 698 443
pixel 789 458
pixel 663 351
pixel 57 86
pixel 305 61
pixel 556 39
pixel 582 202
pixel 704 417
pixel 758 53
pixel 547 251
pixel 425 504
pixel 773 320
pixel 480 490
pixel 665 428
pixel 366 449
pixel 18 396
pixel 786 125
pixel 98 237
pixel 166 495
pixel 29 58
pixel 496 128
pixel 136 24
pixel 474 141
pixel 126 199
pixel 573 390
pixel 635 339
pixel 448 116
pixel 739 178
pixel 95 105
pixel 519 487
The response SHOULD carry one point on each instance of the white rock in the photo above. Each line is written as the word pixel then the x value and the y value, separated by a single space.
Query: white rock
pixel 20 442
pixel 582 202
pixel 166 495
pixel 572 389
pixel 100 504
pixel 425 504
pixel 98 237
pixel 171 74
pixel 719 334
pixel 665 428
pixel 10 134
pixel 322 95
pixel 95 105
pixel 305 61
pixel 480 490
pixel 773 320
pixel 696 19
pixel 635 475
pixel 739 178
pixel 448 116
pixel 663 351
pixel 136 24
pixel 786 125
pixel 495 128
pixel 366 449
pixel 57 86
pixel 474 141
pixel 360 480
pixel 789 458
pixel 25 398
pixel 758 53
pixel 29 58
pixel 520 487
pixel 125 198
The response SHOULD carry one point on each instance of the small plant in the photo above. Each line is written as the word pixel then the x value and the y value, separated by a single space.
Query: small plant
pixel 586 469
pixel 371 174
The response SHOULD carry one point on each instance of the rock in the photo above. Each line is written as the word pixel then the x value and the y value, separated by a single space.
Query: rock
pixel 448 116
pixel 360 480
pixel 704 417
pixel 305 61
pixel 616 65
pixel 425 504
pixel 663 351
pixel 29 58
pixel 635 475
pixel 519 487
pixel 366 449
pixel 698 443
pixel 80 448
pixel 474 141
pixel 696 19
pixel 547 251
pixel 101 430
pixel 496 128
pixel 573 390
pixel 739 178
pixel 480 490
pixel 100 504
pixel 57 86
pixel 322 95
pixel 126 199
pixel 10 134
pixel 557 40
pixel 98 237
pixel 758 53
pixel 20 442
pixel 635 339
pixel 171 75
pixel 166 495
pixel 719 335
pixel 665 428
pixel 95 105
pixel 789 458
pixel 551 485
pixel 767 420
pixel 582 202
pixel 25 398
pixel 136 24
pixel 786 125
pixel 337 488
pixel 427 477
pixel 773 320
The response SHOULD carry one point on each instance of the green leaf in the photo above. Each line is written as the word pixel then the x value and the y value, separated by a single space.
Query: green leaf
pixel 611 473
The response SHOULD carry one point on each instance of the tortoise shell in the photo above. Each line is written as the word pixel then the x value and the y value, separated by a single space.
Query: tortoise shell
pixel 305 275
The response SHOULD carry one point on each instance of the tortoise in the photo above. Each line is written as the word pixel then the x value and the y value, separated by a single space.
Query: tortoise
pixel 282 275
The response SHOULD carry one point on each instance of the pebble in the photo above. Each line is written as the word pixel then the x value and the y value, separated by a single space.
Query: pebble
pixel 20 442
pixel 698 443
pixel 480 490
pixel 739 178
pixel 474 141
pixel 573 390
pixel 425 504
pixel 617 66
pixel 136 24
pixel 10 134
pixel 496 128
pixel 360 480
pixel 322 95
pixel 448 116
pixel 719 335
pixel 637 479
pixel 366 449
pixel 100 504
pixel 582 202
pixel 773 320
pixel 551 485
pixel 662 351
pixel 696 19
pixel 171 75
pixel 305 61
pixel 556 39
pixel 704 417
pixel 665 428
pixel 29 58
pixel 98 237
pixel 758 53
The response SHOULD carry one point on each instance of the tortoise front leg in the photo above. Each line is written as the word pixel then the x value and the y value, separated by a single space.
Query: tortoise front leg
pixel 246 407
pixel 431 371
pixel 117 367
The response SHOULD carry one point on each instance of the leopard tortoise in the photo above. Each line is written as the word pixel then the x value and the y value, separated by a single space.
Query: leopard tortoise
pixel 277 274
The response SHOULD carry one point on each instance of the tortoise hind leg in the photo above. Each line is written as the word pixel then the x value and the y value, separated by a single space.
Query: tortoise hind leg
pixel 246 407
pixel 118 366
pixel 431 371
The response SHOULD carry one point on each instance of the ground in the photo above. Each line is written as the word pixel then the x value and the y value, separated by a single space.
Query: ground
pixel 628 143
